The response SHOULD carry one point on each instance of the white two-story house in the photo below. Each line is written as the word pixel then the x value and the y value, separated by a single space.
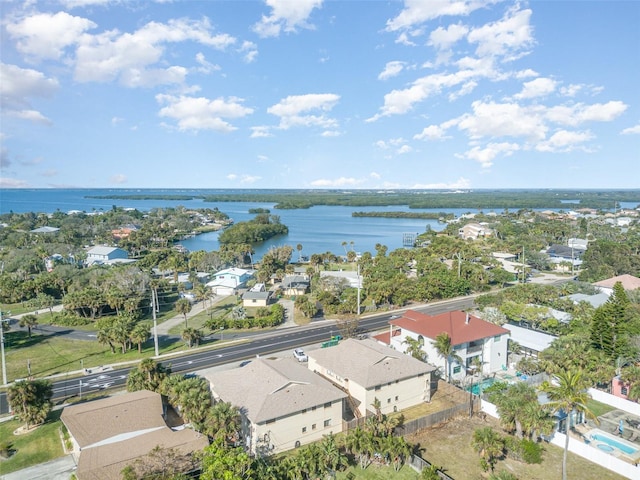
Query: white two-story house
pixel 470 336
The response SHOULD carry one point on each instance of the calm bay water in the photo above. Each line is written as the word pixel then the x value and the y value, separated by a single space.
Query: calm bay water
pixel 318 229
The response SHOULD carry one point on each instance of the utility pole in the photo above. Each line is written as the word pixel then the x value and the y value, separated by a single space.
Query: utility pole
pixel 358 273
pixel 4 364
pixel 154 293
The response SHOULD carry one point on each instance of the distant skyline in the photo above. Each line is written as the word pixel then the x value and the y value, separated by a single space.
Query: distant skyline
pixel 327 94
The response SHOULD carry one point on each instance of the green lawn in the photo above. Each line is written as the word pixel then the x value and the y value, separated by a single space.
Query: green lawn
pixel 50 355
pixel 598 408
pixel 40 445
pixel 373 472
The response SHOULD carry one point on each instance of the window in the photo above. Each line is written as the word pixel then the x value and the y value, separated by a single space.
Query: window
pixel 327 405
pixel 456 369
pixel 388 400
pixel 304 410
pixel 327 423
pixel 313 409
pixel 377 388
pixel 624 391
pixel 396 398
pixel 497 338
pixel 304 429
pixel 313 427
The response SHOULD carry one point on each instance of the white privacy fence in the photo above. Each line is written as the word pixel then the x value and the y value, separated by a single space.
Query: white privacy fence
pixel 626 469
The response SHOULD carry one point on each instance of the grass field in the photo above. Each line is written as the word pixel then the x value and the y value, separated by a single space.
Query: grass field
pixel 38 446
pixel 449 445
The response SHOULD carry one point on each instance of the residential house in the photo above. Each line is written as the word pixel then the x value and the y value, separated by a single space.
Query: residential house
pixel 369 371
pixel 559 255
pixel 227 282
pixel 45 229
pixel 111 433
pixel 295 285
pixel 629 283
pixel 594 300
pixel 282 403
pixel 257 296
pixel 474 230
pixel 471 337
pixel 351 277
pixel 105 255
pixel 509 263
pixel 531 342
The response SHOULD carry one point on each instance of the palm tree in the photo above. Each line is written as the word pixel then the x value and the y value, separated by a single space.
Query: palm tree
pixel 489 445
pixel 191 336
pixel 414 347
pixel 183 307
pixel 223 422
pixel 330 455
pixel 31 400
pixel 30 321
pixel 568 395
pixel 140 334
pixel 445 349
pixel 358 442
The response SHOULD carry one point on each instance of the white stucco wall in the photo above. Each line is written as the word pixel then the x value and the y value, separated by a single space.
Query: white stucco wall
pixel 284 432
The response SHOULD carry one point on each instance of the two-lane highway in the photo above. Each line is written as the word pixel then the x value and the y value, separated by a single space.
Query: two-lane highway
pixel 246 348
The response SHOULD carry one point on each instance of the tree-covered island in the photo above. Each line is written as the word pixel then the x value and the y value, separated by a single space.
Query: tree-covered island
pixel 261 228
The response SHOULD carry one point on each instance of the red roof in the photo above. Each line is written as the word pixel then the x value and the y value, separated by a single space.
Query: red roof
pixel 460 326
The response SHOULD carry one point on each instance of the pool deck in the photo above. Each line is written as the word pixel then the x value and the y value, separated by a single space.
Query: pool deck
pixel 609 424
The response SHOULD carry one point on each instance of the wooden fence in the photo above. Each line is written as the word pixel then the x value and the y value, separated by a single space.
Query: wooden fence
pixel 413 426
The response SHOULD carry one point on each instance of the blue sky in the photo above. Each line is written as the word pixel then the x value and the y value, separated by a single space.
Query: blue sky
pixel 460 94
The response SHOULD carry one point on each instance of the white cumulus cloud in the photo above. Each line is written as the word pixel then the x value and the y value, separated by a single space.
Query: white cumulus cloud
pixel 19 86
pixel 391 69
pixel 305 110
pixel 199 113
pixel 287 16
pixel 45 35
pixel 635 130
pixel 537 88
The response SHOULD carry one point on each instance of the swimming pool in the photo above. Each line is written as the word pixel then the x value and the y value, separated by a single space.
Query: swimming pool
pixel 487 382
pixel 610 444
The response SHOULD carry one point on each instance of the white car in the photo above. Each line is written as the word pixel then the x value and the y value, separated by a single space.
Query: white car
pixel 299 355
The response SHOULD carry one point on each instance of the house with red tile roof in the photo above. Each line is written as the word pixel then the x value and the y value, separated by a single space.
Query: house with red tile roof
pixel 470 336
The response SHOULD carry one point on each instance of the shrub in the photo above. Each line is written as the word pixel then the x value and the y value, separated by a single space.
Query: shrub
pixel 66 319
pixel 524 450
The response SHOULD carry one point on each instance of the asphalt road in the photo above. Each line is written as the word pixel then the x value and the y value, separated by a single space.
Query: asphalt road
pixel 245 348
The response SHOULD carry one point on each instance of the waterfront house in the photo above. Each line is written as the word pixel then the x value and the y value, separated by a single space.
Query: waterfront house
pixel 282 403
pixel 369 371
pixel 227 282
pixel 471 338
pixel 351 277
pixel 474 230
pixel 105 255
pixel 111 433
pixel 295 285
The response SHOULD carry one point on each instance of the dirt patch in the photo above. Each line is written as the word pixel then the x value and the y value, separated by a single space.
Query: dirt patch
pixel 448 445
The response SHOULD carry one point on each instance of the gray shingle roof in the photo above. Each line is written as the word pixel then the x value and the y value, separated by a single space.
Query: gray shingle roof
pixel 271 388
pixel 368 363
pixel 98 420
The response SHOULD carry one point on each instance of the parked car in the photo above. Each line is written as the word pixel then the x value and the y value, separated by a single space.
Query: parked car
pixel 299 355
